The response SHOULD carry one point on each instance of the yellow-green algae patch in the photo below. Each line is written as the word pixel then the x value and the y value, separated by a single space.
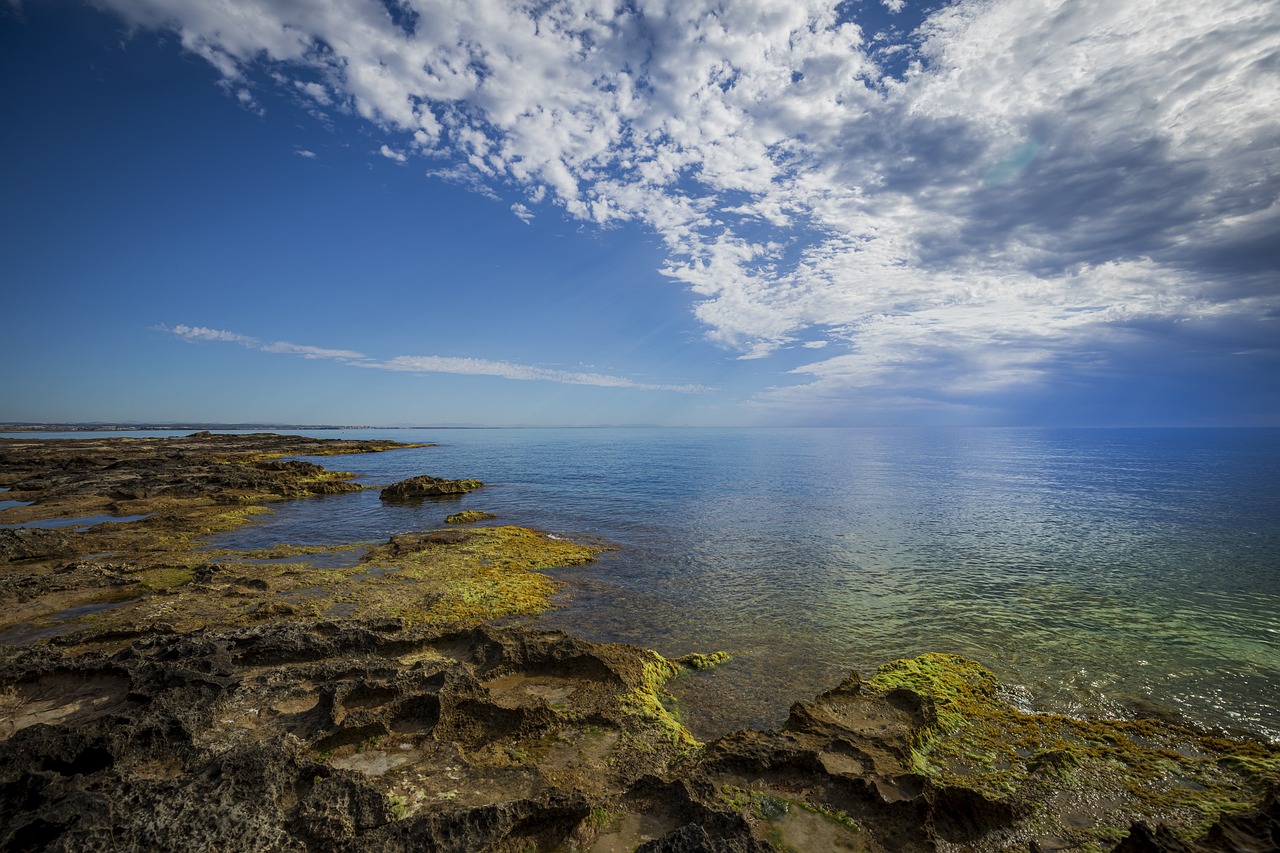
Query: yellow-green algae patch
pixel 972 739
pixel 652 703
pixel 468 516
pixel 445 576
pixel 474 575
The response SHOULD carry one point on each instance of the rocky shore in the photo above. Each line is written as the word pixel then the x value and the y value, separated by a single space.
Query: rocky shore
pixel 155 694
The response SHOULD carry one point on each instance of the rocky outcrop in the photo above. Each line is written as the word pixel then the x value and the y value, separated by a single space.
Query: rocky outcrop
pixel 417 488
pixel 198 465
pixel 376 735
pixel 356 736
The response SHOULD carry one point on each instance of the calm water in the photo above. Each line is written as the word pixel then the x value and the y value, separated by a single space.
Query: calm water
pixel 1112 571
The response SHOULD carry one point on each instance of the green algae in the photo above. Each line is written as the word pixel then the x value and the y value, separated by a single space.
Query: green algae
pixel 469 516
pixel 480 574
pixel 972 739
pixel 652 704
pixel 447 576
pixel 701 661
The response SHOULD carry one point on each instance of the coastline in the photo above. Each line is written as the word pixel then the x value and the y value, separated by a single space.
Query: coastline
pixel 553 741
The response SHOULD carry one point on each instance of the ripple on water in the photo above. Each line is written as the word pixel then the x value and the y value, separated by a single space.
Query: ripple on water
pixel 1103 571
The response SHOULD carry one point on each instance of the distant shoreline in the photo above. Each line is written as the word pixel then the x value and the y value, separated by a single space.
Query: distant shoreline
pixel 111 427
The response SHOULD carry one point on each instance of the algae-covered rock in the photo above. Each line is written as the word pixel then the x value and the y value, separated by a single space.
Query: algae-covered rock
pixel 416 488
pixel 350 735
pixel 698 660
pixel 469 516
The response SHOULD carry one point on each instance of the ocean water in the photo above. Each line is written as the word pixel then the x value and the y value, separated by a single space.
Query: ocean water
pixel 1116 572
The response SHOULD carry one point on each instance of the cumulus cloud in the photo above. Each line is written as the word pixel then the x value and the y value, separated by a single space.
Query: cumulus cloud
pixel 1013 186
pixel 428 363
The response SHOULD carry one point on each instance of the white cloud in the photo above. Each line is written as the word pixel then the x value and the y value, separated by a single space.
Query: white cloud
pixel 312 352
pixel 1045 174
pixel 204 334
pixel 520 372
pixel 428 364
pixel 523 213
pixel 316 91
pixel 391 154
pixel 302 152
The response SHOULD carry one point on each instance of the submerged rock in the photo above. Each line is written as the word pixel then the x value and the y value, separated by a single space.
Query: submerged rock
pixel 470 516
pixel 416 488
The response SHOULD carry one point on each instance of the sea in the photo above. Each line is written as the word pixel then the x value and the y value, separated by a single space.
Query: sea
pixel 1115 572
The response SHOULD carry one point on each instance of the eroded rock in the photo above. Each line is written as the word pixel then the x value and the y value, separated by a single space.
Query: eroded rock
pixel 377 735
pixel 330 736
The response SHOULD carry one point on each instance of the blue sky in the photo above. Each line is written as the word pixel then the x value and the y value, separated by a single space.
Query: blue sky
pixel 401 212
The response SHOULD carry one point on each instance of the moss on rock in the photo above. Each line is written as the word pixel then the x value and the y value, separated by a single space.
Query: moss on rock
pixel 974 740
pixel 468 516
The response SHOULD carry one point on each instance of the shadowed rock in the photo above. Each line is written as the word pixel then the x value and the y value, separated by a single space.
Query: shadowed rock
pixel 417 488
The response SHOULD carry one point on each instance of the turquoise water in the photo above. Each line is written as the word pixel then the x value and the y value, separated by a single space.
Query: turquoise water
pixel 1095 571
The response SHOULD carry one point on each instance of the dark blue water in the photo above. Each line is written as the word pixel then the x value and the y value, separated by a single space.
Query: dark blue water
pixel 1098 571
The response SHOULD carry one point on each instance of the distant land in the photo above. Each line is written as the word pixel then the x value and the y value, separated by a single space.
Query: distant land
pixel 107 427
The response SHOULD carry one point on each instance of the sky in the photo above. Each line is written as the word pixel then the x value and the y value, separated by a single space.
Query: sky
pixel 651 212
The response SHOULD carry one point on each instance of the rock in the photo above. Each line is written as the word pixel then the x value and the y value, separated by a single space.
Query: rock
pixel 469 516
pixel 328 736
pixel 416 488
pixel 377 735
pixel 223 466
pixel 28 543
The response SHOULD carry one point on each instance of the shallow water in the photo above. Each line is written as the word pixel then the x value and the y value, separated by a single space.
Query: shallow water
pixel 1096 571
pixel 82 521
